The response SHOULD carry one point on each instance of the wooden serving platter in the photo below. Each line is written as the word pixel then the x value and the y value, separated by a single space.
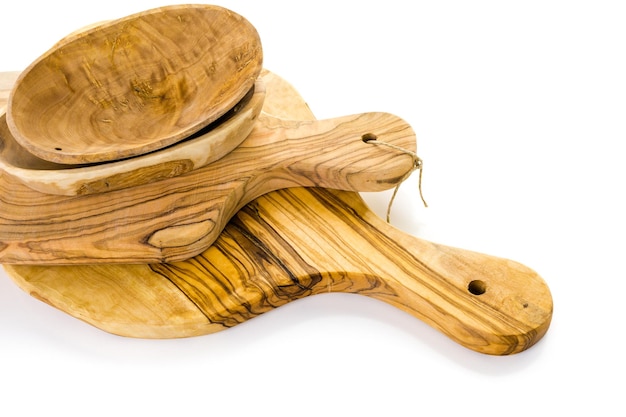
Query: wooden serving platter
pixel 297 242
pixel 177 218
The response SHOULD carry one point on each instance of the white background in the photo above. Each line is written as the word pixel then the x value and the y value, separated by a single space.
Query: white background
pixel 519 110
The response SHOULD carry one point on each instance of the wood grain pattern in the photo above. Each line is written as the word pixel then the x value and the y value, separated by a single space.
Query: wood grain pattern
pixel 177 218
pixel 295 243
pixel 202 148
pixel 133 85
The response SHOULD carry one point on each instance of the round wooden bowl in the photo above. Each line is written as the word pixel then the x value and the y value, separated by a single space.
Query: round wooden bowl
pixel 134 85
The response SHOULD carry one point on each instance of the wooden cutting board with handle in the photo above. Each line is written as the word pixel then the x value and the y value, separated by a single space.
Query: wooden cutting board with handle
pixel 177 218
pixel 297 242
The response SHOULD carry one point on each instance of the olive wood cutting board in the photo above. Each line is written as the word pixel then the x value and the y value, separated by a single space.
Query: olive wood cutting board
pixel 297 242
pixel 177 218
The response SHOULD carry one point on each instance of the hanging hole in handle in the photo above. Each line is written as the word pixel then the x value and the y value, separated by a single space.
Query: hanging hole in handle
pixel 477 287
pixel 368 136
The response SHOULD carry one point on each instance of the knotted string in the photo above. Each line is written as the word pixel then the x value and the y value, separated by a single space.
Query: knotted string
pixel 418 164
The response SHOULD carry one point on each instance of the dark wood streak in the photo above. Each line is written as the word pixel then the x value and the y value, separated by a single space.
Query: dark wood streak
pixel 266 255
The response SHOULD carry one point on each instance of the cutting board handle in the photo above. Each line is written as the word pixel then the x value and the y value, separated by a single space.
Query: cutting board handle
pixel 486 303
pixel 331 153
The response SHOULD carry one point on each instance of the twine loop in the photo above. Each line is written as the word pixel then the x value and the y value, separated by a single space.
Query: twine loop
pixel 418 164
